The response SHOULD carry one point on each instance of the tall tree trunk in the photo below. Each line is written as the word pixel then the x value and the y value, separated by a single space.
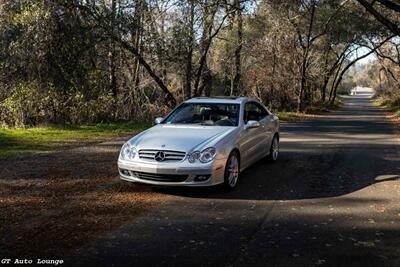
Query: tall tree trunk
pixel 207 81
pixel 228 84
pixel 210 37
pixel 112 50
pixel 187 92
pixel 335 79
pixel 324 87
pixel 238 50
pixel 206 78
pixel 304 65
pixel 326 72
pixel 137 34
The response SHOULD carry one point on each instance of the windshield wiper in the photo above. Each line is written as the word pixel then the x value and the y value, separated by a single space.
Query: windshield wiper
pixel 207 123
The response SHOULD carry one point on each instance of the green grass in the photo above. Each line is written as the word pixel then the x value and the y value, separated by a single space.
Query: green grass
pixel 22 141
pixel 289 116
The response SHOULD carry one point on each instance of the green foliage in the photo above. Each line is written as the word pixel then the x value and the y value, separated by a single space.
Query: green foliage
pixel 22 105
pixel 28 104
pixel 61 64
pixel 29 14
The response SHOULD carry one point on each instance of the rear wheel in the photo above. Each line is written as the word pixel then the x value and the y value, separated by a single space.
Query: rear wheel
pixel 274 149
pixel 231 171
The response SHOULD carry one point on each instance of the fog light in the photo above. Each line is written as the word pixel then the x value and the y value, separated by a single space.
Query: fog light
pixel 202 178
pixel 125 172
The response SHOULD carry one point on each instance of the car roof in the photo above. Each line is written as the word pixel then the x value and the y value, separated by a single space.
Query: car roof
pixel 220 99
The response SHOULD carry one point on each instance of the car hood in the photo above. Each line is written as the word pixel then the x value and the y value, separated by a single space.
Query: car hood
pixel 178 137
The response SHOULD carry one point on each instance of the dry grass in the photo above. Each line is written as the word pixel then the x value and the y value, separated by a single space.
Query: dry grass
pixel 391 106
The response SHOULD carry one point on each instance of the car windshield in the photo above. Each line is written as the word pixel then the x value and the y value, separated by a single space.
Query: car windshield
pixel 210 114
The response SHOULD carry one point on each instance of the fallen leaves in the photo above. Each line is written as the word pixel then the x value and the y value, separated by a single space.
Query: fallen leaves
pixel 53 206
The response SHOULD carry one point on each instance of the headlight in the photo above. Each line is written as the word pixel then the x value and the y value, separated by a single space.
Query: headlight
pixel 194 156
pixel 204 156
pixel 128 152
pixel 207 155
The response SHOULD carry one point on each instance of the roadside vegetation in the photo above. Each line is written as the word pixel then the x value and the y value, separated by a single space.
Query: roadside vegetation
pixel 79 62
pixel 311 112
pixel 392 105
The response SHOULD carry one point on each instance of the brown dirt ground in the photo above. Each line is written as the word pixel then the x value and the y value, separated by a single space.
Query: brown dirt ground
pixel 53 203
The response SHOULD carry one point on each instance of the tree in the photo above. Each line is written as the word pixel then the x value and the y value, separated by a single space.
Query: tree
pixel 81 61
pixel 388 4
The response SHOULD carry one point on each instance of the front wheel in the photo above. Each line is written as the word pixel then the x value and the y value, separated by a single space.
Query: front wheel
pixel 274 149
pixel 231 171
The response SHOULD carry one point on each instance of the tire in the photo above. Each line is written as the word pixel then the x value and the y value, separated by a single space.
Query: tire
pixel 232 170
pixel 274 149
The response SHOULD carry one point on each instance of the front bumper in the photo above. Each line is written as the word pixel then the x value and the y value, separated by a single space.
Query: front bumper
pixel 187 174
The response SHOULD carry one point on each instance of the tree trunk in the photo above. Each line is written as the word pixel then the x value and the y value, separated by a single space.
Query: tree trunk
pixel 379 17
pixel 334 80
pixel 324 87
pixel 209 39
pixel 187 92
pixel 206 79
pixel 171 101
pixel 304 65
pixel 238 50
pixel 111 52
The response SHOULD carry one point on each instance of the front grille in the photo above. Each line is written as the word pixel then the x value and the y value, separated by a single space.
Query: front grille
pixel 160 177
pixel 170 155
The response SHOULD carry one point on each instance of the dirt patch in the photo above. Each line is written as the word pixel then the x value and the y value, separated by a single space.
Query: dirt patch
pixel 53 203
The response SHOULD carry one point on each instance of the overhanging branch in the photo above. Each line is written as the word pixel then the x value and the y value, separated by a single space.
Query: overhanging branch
pixel 378 16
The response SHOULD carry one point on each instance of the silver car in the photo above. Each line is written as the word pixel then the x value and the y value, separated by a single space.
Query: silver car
pixel 202 142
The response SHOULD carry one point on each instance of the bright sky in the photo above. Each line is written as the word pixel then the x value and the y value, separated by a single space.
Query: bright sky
pixel 363 51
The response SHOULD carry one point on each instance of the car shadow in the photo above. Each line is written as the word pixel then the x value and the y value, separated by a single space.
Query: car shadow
pixel 286 180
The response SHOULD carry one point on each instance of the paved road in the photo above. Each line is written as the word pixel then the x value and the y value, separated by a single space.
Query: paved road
pixel 333 199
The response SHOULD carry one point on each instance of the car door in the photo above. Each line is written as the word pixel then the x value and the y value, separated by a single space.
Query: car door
pixel 265 119
pixel 254 139
pixel 269 129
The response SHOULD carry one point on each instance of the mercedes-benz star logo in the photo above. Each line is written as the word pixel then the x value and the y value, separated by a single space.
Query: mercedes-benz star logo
pixel 159 156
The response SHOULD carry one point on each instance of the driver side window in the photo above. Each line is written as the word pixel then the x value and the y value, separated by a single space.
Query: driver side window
pixel 254 112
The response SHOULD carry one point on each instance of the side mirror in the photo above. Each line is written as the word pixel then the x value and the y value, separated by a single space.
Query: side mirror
pixel 158 120
pixel 252 124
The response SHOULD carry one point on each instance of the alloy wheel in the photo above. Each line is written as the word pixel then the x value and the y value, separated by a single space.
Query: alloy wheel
pixel 233 171
pixel 275 148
